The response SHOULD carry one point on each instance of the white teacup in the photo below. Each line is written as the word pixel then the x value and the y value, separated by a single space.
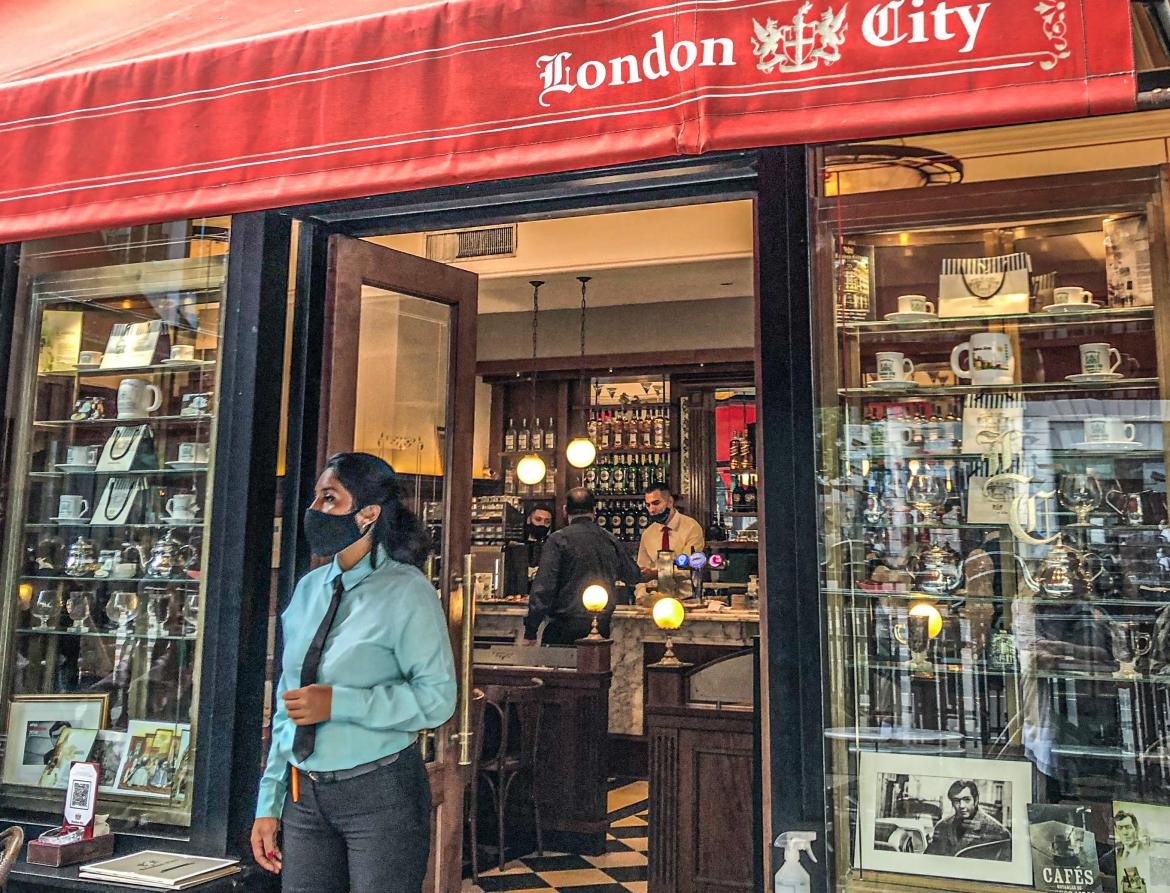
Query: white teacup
pixel 89 358
pixel 81 455
pixel 1071 294
pixel 1105 429
pixel 1095 358
pixel 893 366
pixel 183 352
pixel 137 398
pixel 914 304
pixel 70 506
pixel 194 452
pixel 182 505
pixel 123 570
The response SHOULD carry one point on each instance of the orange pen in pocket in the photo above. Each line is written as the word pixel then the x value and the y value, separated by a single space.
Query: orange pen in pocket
pixel 296 784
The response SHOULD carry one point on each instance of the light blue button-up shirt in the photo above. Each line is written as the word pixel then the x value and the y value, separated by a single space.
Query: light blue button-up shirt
pixel 388 659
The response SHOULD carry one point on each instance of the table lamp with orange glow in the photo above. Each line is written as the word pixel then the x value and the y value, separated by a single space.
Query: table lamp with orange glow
pixel 668 615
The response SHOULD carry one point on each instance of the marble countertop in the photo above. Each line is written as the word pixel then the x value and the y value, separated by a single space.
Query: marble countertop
pixel 629 612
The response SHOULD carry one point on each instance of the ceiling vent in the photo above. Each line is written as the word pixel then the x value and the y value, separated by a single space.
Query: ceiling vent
pixel 469 244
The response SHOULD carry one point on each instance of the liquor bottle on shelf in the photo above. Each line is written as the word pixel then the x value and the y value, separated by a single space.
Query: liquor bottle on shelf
pixel 646 430
pixel 629 523
pixel 751 498
pixel 550 436
pixel 604 431
pixel 509 480
pixel 617 477
pixel 603 515
pixel 738 496
pixel 661 434
pixel 632 431
pixel 617 431
pixel 536 435
pixel 522 436
pixel 603 475
pixel 591 427
pixel 510 437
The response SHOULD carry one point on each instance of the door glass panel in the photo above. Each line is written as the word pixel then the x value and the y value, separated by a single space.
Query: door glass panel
pixel 402 403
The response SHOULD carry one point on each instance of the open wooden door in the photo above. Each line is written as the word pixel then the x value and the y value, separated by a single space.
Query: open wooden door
pixel 398 380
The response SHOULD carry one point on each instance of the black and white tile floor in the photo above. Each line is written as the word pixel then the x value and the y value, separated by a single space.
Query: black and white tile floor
pixel 621 870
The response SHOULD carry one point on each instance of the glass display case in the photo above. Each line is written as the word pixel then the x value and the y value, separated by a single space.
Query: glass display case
pixel 113 399
pixel 995 568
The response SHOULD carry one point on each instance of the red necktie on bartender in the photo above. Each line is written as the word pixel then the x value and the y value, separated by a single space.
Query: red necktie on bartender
pixel 305 737
pixel 665 538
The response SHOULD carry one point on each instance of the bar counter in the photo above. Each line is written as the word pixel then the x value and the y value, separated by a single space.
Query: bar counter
pixel 631 630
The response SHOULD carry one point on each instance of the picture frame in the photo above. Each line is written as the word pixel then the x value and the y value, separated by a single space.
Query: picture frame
pixel 909 819
pixel 1141 836
pixel 35 723
pixel 152 758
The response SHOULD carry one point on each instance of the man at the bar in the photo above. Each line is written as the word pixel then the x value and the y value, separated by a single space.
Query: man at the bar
pixel 669 530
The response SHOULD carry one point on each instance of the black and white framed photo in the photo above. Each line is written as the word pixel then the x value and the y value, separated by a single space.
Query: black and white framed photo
pixel 944 816
pixel 36 724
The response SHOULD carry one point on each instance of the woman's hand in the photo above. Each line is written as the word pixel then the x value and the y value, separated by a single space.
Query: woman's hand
pixel 264 848
pixel 309 705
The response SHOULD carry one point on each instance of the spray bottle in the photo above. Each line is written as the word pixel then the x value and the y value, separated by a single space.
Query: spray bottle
pixel 792 878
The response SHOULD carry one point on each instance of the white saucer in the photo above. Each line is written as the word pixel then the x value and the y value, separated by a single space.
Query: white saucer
pixel 189 521
pixel 77 522
pixel 1094 377
pixel 172 362
pixel 88 367
pixel 892 385
pixel 74 469
pixel 911 317
pixel 187 466
pixel 1109 446
pixel 1072 308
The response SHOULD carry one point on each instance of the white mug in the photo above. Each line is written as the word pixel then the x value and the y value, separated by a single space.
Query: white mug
pixel 1095 358
pixel 1071 294
pixel 81 455
pixel 893 366
pixel 914 304
pixel 1104 429
pixel 72 507
pixel 124 570
pixel 183 352
pixel 89 358
pixel 182 505
pixel 195 452
pixel 990 358
pixel 137 398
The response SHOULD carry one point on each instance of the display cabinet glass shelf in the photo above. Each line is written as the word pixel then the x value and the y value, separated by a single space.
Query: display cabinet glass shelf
pixel 991 371
pixel 114 401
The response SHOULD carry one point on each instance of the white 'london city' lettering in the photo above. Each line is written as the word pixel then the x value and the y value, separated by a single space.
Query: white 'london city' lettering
pixel 558 76
pixel 883 25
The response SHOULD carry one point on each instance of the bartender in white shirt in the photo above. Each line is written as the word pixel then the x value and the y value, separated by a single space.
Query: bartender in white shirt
pixel 669 530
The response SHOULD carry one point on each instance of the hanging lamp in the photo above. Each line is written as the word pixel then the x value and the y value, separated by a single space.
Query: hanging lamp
pixel 581 451
pixel 530 469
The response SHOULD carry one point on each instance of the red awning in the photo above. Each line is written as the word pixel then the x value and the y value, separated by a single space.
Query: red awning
pixel 169 109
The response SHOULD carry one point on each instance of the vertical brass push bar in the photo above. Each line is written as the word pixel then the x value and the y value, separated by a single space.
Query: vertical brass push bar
pixel 467 583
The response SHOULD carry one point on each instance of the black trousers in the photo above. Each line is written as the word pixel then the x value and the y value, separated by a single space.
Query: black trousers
pixel 567 630
pixel 369 834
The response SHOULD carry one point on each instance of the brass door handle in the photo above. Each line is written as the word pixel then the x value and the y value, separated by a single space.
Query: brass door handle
pixel 464 581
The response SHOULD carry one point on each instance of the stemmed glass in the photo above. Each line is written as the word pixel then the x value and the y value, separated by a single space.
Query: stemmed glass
pixel 612 391
pixel 122 608
pixel 1080 493
pixel 44 607
pixel 158 610
pixel 926 492
pixel 78 608
pixel 191 612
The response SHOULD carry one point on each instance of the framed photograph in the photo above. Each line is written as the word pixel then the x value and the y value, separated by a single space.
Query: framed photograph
pixel 153 754
pixel 944 816
pixel 36 724
pixel 1141 833
pixel 73 746
pixel 108 749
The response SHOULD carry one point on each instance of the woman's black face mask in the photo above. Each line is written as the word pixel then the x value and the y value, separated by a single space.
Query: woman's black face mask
pixel 329 534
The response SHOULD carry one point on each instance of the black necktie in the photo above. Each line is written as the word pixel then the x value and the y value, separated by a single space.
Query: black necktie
pixel 306 736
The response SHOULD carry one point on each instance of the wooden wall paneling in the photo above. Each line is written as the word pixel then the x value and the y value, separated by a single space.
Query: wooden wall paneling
pixel 701 456
pixel 662 848
pixel 714 821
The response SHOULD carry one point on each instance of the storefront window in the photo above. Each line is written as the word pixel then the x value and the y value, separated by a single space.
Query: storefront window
pixel 993 515
pixel 108 467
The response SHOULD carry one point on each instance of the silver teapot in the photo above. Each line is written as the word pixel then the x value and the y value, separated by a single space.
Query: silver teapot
pixel 168 558
pixel 82 560
pixel 1063 570
pixel 938 570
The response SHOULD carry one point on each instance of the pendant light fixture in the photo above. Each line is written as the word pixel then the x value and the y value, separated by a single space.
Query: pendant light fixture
pixel 581 451
pixel 530 469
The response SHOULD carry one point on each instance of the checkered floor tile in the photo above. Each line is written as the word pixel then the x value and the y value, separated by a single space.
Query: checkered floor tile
pixel 622 869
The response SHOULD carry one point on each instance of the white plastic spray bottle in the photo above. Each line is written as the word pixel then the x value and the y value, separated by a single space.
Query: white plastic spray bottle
pixel 791 877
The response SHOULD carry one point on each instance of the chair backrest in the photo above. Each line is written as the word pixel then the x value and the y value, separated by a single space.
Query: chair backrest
pixel 11 841
pixel 518 709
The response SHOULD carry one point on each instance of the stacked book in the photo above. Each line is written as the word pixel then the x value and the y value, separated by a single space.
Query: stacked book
pixel 159 871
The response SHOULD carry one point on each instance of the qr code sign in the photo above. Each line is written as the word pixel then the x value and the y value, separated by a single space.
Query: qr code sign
pixel 80 793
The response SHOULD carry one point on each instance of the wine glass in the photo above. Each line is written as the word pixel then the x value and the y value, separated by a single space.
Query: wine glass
pixel 44 607
pixel 122 607
pixel 78 608
pixel 191 612
pixel 612 391
pixel 1080 493
pixel 926 492
pixel 158 609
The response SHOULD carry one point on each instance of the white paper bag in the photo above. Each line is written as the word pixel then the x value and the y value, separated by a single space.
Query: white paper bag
pixel 128 447
pixel 985 286
pixel 118 501
pixel 135 344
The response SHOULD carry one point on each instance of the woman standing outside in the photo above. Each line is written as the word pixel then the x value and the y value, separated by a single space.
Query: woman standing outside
pixel 366 665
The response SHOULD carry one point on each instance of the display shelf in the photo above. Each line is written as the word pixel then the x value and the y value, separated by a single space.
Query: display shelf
pixel 740 514
pixel 635 451
pixel 114 581
pixel 169 420
pixel 1043 387
pixel 152 369
pixel 957 597
pixel 630 405
pixel 83 523
pixel 102 634
pixel 952 324
pixel 138 472
pixel 944 667
pixel 895 453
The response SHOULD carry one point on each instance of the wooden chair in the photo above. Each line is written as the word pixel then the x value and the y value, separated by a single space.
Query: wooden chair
pixel 471 781
pixel 518 709
pixel 11 841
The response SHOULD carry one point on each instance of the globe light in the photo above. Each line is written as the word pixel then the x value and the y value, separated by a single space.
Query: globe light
pixel 930 612
pixel 530 469
pixel 668 615
pixel 594 598
pixel 580 452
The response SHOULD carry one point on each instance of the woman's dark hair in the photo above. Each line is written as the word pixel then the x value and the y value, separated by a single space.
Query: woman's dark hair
pixel 371 481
